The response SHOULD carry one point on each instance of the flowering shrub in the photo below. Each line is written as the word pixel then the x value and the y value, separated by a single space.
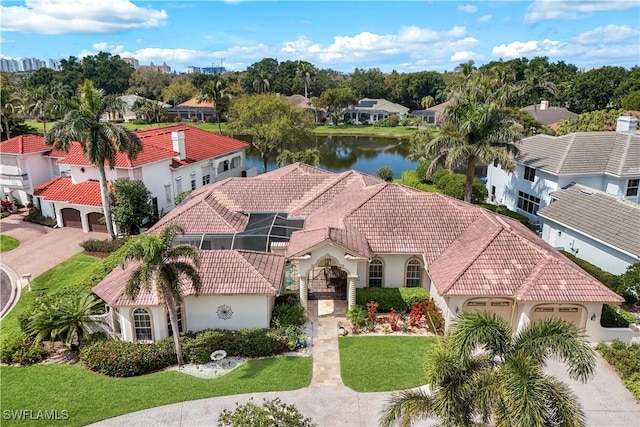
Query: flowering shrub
pixel 416 314
pixel 433 316
pixel 372 310
pixel 393 320
pixel 5 205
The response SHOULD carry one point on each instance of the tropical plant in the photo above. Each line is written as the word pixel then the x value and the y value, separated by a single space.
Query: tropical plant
pixel 385 172
pixel 214 91
pixel 100 140
pixel 482 373
pixel 163 269
pixel 149 111
pixel 131 201
pixel 310 156
pixel 474 134
pixel 357 316
pixel 272 413
pixel 537 82
pixel 64 318
pixel 335 100
pixel 427 102
pixel 305 71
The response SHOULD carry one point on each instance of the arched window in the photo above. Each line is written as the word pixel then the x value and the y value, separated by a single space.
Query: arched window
pixel 376 269
pixel 223 166
pixel 179 316
pixel 142 324
pixel 414 274
pixel 235 162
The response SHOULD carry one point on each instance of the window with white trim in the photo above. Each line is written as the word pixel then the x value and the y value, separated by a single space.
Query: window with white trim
pixel 529 173
pixel 414 274
pixel 206 174
pixel 223 166
pixel 142 324
pixel 179 316
pixel 528 203
pixel 632 187
pixel 376 269
pixel 193 181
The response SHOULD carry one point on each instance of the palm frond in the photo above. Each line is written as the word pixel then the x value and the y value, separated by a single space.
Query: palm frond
pixel 405 406
pixel 564 408
pixel 481 329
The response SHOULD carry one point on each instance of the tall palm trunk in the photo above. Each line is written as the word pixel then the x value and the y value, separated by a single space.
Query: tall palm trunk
pixel 104 193
pixel 173 319
pixel 218 119
pixel 468 185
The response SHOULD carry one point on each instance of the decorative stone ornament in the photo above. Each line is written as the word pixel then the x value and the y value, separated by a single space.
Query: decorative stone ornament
pixel 224 312
pixel 218 355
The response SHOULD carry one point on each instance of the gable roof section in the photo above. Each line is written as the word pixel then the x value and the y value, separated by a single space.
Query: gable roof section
pixel 61 189
pixel 381 105
pixel 594 213
pixel 549 115
pixel 193 102
pixel 617 153
pixel 350 240
pixel 223 272
pixel 24 144
pixel 149 154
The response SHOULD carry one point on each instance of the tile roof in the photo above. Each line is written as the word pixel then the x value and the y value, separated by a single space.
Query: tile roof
pixel 193 102
pixel 158 145
pixel 468 250
pixel 61 189
pixel 24 144
pixel 549 115
pixel 380 104
pixel 223 272
pixel 616 153
pixel 597 214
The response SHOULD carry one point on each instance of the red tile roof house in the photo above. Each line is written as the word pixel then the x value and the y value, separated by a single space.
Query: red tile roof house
pixel 322 235
pixel 174 159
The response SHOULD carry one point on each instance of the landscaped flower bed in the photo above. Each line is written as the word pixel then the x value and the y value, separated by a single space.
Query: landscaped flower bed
pixel 424 318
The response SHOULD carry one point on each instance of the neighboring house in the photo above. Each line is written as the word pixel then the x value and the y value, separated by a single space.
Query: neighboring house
pixel 23 167
pixel 548 116
pixel 328 234
pixel 203 111
pixel 319 114
pixel 432 115
pixel 369 111
pixel 128 114
pixel 593 225
pixel 606 161
pixel 174 159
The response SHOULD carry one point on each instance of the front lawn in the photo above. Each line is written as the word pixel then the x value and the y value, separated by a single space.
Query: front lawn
pixel 7 243
pixel 89 397
pixel 365 130
pixel 383 363
pixel 69 274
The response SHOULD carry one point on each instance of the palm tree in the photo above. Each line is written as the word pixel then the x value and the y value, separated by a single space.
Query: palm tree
pixel 310 157
pixel 35 103
pixel 482 373
pixel 8 106
pixel 474 134
pixel 214 92
pixel 100 140
pixel 304 71
pixel 427 102
pixel 163 268
pixel 537 81
pixel 261 83
pixel 66 318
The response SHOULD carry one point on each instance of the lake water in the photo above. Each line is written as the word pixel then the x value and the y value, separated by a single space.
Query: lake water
pixel 362 153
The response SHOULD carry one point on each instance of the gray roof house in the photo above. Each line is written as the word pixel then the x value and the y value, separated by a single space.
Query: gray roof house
pixel 371 110
pixel 593 225
pixel 547 115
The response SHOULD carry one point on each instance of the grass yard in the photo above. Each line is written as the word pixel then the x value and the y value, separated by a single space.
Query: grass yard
pixel 71 273
pixel 365 130
pixel 7 243
pixel 383 363
pixel 89 397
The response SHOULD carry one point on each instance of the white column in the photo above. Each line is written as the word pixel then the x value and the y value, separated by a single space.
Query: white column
pixel 303 292
pixel 351 291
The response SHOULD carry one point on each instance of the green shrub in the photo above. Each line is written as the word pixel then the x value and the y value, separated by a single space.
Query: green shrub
pixel 177 119
pixel 21 350
pixel 440 178
pixel 272 413
pixel 389 122
pixel 287 314
pixel 503 210
pixel 421 171
pixel 632 382
pixel 180 197
pixel 401 299
pixel 410 179
pixel 616 317
pixel 35 216
pixel 357 316
pixel 385 172
pixel 102 246
pixel 625 358
pixel 608 279
pixel 126 359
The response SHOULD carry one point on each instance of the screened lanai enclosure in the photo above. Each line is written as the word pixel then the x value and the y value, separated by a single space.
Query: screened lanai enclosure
pixel 261 230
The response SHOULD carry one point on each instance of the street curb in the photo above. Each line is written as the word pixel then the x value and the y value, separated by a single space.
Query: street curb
pixel 16 289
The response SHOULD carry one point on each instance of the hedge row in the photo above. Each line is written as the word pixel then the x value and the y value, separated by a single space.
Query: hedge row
pixel 503 210
pixel 126 359
pixel 103 246
pixel 616 317
pixel 401 299
pixel 625 358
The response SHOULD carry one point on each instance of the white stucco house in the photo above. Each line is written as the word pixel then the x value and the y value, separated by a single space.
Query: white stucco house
pixel 328 234
pixel 605 161
pixel 593 225
pixel 174 159
pixel 369 111
pixel 128 114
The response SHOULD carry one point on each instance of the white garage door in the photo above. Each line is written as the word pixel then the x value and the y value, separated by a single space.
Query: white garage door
pixel 570 313
pixel 499 306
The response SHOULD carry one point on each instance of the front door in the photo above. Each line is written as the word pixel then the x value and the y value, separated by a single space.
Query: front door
pixel 327 282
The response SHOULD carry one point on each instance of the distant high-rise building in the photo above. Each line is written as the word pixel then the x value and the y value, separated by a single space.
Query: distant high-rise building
pixel 133 62
pixel 21 64
pixel 164 68
pixel 192 70
pixel 9 65
pixel 213 70
pixel 54 64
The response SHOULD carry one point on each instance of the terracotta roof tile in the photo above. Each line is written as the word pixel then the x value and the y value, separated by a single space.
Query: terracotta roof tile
pixel 350 240
pixel 61 189
pixel 223 272
pixel 149 154
pixel 24 144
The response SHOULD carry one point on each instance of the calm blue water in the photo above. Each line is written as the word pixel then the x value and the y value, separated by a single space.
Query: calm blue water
pixel 364 154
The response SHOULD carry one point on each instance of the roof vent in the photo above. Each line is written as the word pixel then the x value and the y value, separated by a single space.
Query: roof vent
pixel 627 124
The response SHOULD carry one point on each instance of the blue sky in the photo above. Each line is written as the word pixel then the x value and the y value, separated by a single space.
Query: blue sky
pixel 403 35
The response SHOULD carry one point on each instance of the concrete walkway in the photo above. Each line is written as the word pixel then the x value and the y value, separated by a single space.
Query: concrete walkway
pixel 325 315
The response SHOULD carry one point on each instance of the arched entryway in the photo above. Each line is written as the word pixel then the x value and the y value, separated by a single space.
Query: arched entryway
pixel 327 280
pixel 71 218
pixel 96 222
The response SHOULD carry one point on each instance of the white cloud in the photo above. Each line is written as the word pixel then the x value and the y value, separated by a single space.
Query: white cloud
pixel 544 47
pixel 463 56
pixel 79 16
pixel 541 10
pixel 468 8
pixel 485 18
pixel 607 34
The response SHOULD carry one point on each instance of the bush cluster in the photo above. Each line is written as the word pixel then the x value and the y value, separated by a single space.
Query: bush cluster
pixel 180 197
pixel 35 216
pixel 21 350
pixel 126 359
pixel 625 358
pixel 503 210
pixel 410 179
pixel 401 299
pixel 287 311
pixel 389 122
pixel 245 343
pixel 453 185
pixel 102 246
pixel 615 317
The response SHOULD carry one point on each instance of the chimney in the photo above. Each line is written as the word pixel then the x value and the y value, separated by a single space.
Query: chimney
pixel 627 124
pixel 178 144
pixel 544 105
